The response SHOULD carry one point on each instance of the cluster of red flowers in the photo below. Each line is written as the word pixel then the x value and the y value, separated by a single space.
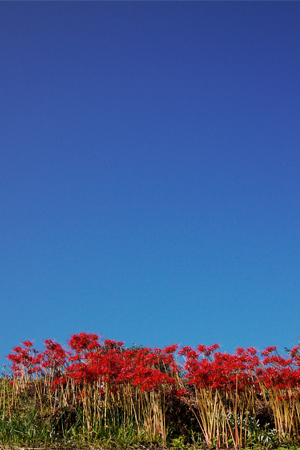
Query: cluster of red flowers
pixel 26 360
pixel 206 368
pixel 210 369
pixel 91 361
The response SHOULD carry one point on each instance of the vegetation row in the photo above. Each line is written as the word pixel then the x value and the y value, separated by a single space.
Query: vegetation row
pixel 100 394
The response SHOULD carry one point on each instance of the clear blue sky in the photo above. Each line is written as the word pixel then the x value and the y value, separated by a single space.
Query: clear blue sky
pixel 149 162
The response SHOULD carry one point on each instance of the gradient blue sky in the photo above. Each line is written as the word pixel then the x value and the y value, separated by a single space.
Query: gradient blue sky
pixel 149 162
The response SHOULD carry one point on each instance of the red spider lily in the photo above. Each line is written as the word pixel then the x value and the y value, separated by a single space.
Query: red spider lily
pixel 221 370
pixel 111 373
pixel 268 350
pixel 26 360
pixel 81 342
pixel 184 351
pixel 59 381
pixel 54 357
pixel 116 366
pixel 27 344
pixel 171 349
pixel 178 393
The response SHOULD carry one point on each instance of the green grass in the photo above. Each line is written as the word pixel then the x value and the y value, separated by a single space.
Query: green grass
pixel 24 424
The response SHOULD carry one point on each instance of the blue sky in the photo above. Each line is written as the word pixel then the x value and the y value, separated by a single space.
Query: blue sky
pixel 149 172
